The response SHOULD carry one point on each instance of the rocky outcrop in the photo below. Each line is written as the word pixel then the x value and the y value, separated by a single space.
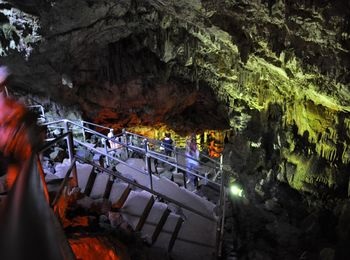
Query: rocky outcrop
pixel 276 73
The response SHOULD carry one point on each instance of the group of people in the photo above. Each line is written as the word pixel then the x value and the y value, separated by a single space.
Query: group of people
pixel 191 155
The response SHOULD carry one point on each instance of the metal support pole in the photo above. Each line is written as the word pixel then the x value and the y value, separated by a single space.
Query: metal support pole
pixel 71 158
pixel 221 163
pixel 42 111
pixel 221 223
pixel 106 151
pixel 176 159
pixel 83 130
pixel 42 177
pixel 148 164
pixel 71 153
pixel 125 141
pixel 69 144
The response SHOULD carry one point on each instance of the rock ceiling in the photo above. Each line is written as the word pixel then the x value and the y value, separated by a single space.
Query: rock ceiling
pixel 180 63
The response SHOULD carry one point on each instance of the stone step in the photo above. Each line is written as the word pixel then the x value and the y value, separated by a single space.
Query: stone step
pixel 134 207
pixel 118 188
pixel 196 237
pixel 153 220
pixel 165 236
pixel 100 185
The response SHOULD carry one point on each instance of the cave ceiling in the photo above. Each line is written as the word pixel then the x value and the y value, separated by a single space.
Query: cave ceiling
pixel 274 73
pixel 180 63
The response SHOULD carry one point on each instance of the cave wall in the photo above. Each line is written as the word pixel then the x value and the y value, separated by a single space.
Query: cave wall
pixel 180 63
pixel 273 72
pixel 128 63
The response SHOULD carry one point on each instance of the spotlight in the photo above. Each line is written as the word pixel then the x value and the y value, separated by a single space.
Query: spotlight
pixel 235 190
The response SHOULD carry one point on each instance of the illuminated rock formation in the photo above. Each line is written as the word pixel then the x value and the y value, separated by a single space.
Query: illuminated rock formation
pixel 274 73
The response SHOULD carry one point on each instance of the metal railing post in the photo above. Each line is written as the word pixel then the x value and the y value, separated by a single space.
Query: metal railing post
pixel 106 150
pixel 72 159
pixel 221 163
pixel 148 164
pixel 42 177
pixel 71 152
pixel 125 141
pixel 69 144
pixel 42 111
pixel 176 159
pixel 222 211
pixel 83 130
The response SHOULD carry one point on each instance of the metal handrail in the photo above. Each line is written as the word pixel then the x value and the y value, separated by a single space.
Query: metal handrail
pixel 180 166
pixel 177 153
pixel 220 219
pixel 153 154
pixel 131 182
pixel 108 155
pixel 115 174
pixel 89 123
pixel 150 140
pixel 222 209
pixel 27 209
pixel 52 142
pixel 41 109
pixel 63 183
pixel 158 142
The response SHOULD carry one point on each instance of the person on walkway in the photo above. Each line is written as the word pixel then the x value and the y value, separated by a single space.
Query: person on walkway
pixel 167 143
pixel 20 135
pixel 192 156
pixel 111 136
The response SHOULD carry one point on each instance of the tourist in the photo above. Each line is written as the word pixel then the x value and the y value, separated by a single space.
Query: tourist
pixel 167 144
pixel 192 156
pixel 110 135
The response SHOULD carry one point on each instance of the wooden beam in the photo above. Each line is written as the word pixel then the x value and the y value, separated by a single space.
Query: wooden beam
pixel 90 182
pixel 145 214
pixel 108 188
pixel 160 225
pixel 119 204
pixel 175 233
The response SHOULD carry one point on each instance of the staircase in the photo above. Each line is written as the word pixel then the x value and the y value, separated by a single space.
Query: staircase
pixel 182 232
pixel 167 215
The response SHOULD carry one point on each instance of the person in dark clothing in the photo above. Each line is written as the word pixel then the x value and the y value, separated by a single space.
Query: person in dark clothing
pixel 167 143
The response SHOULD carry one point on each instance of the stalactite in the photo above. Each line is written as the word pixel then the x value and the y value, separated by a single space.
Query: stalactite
pixel 187 50
pixel 347 123
pixel 195 71
pixel 326 150
pixel 346 155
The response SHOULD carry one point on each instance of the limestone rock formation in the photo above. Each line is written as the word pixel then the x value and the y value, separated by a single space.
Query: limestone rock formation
pixel 274 72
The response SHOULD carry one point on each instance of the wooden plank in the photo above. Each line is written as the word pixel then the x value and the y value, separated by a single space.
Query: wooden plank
pixel 90 182
pixel 160 225
pixel 119 204
pixel 175 233
pixel 108 188
pixel 145 214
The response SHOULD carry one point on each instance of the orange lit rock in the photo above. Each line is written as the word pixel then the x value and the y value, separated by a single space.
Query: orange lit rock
pixel 91 248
